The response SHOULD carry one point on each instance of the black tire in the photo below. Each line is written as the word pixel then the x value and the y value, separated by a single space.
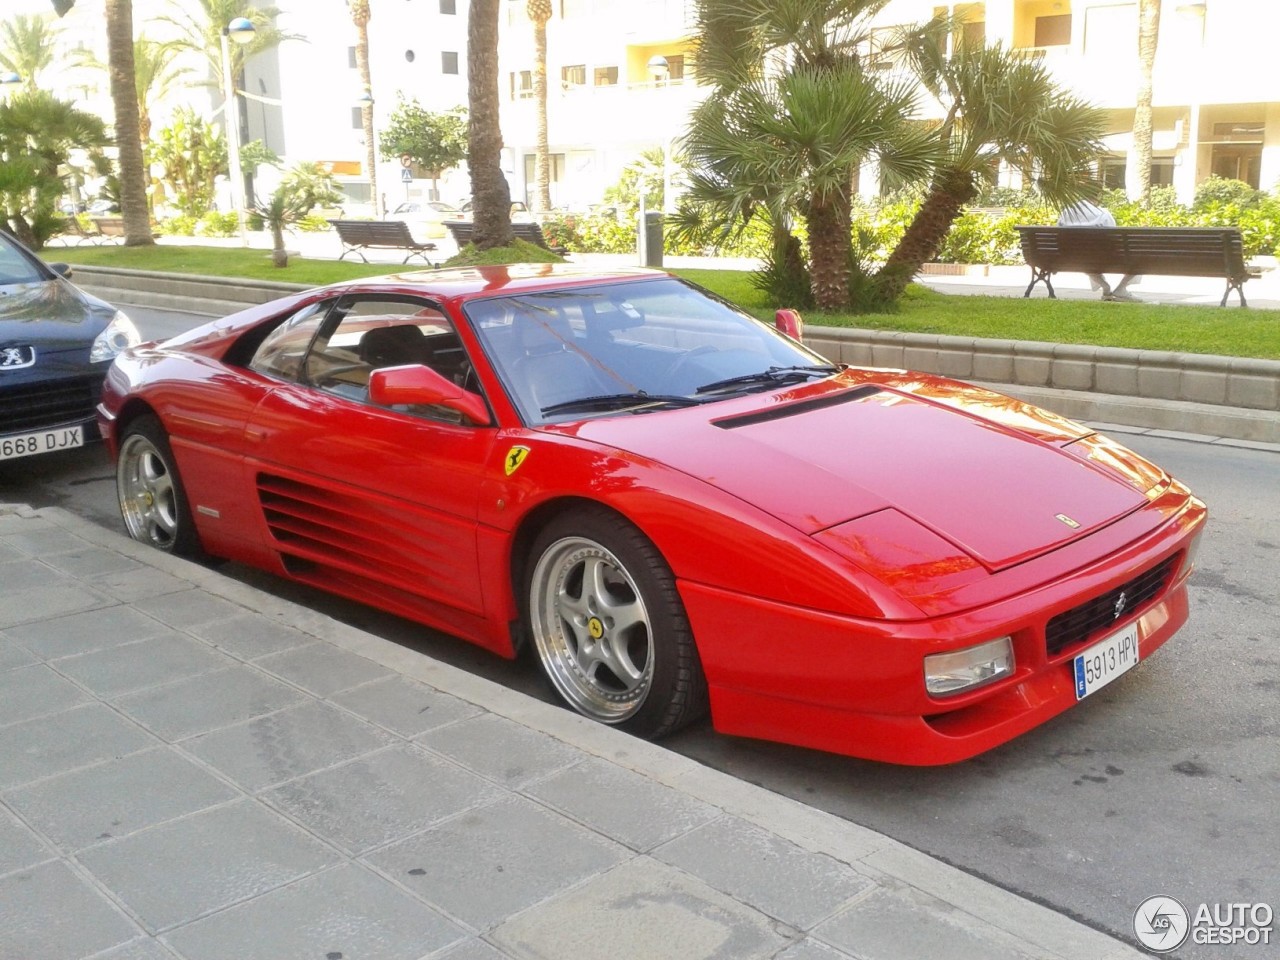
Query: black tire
pixel 607 626
pixel 153 501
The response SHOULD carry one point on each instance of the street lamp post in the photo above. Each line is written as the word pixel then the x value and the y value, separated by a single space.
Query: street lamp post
pixel 660 70
pixel 240 30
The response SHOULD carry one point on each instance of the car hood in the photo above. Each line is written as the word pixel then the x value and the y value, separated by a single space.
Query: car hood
pixel 50 313
pixel 1001 494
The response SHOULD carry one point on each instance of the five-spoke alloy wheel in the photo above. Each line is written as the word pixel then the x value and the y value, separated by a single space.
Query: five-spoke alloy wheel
pixel 608 626
pixel 152 500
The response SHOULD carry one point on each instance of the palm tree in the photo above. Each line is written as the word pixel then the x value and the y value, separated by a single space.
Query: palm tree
pixel 155 75
pixel 284 209
pixel 27 47
pixel 360 14
pixel 1000 108
pixel 1148 34
pixel 201 30
pixel 793 116
pixel 539 12
pixel 490 192
pixel 124 97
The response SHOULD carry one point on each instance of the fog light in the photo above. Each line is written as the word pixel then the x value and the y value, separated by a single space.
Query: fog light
pixel 950 673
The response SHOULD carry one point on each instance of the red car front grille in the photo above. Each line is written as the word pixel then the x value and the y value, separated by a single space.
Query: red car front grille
pixel 1081 623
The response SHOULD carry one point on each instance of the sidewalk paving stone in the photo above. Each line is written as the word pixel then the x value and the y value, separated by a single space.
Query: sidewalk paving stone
pixel 322 669
pixel 103 801
pixel 50 912
pixel 64 741
pixel 500 749
pixel 208 701
pixel 286 744
pixel 248 636
pixel 177 871
pixel 13 656
pixel 342 913
pixel 145 663
pixel 19 846
pixel 494 861
pixel 643 910
pixel 405 706
pixel 85 632
pixel 380 798
pixel 35 691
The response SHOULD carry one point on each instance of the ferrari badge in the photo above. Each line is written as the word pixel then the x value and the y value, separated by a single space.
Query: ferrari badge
pixel 515 457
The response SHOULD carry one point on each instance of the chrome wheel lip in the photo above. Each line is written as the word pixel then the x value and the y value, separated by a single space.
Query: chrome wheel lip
pixel 148 501
pixel 569 655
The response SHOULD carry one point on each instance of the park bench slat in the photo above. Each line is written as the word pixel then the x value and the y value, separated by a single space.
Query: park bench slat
pixel 463 230
pixel 360 235
pixel 1165 251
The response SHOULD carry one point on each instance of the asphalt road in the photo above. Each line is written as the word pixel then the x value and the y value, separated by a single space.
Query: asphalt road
pixel 1167 782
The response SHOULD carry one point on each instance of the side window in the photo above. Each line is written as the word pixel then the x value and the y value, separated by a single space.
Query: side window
pixel 280 354
pixel 369 334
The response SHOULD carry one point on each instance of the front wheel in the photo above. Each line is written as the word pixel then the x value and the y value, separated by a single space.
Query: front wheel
pixel 153 502
pixel 608 626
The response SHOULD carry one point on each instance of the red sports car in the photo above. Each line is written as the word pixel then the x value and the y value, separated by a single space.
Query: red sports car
pixel 678 506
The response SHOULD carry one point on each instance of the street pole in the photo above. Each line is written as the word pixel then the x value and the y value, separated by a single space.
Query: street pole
pixel 231 121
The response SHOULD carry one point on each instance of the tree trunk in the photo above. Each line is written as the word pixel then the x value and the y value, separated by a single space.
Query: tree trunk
pixel 542 155
pixel 124 96
pixel 279 256
pixel 490 193
pixel 950 191
pixel 1139 179
pixel 830 249
pixel 366 114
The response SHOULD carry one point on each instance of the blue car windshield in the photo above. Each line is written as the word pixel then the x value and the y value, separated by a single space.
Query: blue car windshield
pixel 14 265
pixel 630 347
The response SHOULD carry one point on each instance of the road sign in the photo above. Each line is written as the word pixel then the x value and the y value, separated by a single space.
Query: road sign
pixel 406 174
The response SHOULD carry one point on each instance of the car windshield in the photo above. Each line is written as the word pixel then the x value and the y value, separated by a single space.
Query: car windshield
pixel 630 347
pixel 14 266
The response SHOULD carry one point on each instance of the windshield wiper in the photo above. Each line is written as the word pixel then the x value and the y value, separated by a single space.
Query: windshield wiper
pixel 771 376
pixel 620 401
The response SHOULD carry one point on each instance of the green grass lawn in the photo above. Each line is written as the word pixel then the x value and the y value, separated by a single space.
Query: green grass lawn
pixel 1189 329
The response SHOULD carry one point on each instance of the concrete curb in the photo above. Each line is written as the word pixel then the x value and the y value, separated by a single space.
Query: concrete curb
pixel 1034 930
pixel 1233 397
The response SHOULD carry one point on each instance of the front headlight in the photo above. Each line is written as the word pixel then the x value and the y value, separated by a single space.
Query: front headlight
pixel 962 670
pixel 119 335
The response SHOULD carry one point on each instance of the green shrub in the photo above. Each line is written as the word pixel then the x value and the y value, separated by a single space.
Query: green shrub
pixel 1220 191
pixel 520 251
pixel 179 226
pixel 313 223
pixel 216 224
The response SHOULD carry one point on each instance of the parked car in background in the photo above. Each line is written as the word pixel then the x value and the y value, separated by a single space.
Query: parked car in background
pixel 519 211
pixel 426 217
pixel 676 507
pixel 56 345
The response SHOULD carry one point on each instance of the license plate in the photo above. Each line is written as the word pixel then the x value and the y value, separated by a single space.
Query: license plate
pixel 1106 660
pixel 42 441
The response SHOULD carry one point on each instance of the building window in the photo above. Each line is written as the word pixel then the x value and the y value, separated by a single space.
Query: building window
pixel 351 57
pixel 1053 31
pixel 574 76
pixel 973 34
pixel 675 68
pixel 522 85
pixel 606 76
pixel 448 7
pixel 448 61
pixel 357 118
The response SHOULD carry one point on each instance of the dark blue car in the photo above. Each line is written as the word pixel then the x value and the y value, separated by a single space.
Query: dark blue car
pixel 56 343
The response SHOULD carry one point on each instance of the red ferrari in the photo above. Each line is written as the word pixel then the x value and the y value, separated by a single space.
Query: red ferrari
pixel 681 508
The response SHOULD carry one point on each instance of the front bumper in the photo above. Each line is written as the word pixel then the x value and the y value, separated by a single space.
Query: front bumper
pixel 856 687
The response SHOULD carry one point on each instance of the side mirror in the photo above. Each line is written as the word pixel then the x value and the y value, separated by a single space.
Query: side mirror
pixel 61 269
pixel 788 321
pixel 416 384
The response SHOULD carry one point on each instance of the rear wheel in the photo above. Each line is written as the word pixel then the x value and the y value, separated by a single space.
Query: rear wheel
pixel 608 626
pixel 153 502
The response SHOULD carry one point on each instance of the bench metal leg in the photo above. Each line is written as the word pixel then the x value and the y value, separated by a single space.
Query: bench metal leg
pixel 1038 274
pixel 1238 287
pixel 418 253
pixel 357 251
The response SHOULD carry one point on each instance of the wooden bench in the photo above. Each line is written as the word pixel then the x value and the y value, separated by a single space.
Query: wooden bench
pixel 73 229
pixel 461 231
pixel 358 236
pixel 1168 251
pixel 110 227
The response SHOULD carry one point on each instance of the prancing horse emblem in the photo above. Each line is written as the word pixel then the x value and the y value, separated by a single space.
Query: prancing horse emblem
pixel 1121 602
pixel 1067 520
